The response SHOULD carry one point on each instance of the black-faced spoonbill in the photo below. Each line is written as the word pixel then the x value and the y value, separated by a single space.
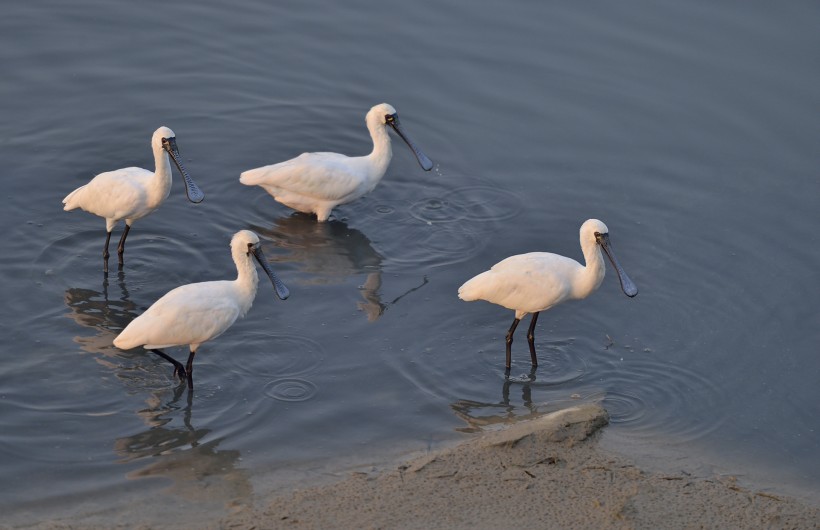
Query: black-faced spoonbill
pixel 534 282
pixel 318 182
pixel 198 312
pixel 132 193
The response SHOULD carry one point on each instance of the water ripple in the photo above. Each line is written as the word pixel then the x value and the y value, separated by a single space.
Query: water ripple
pixel 485 202
pixel 557 364
pixel 437 210
pixel 647 397
pixel 625 407
pixel 76 259
pixel 272 354
pixel 291 389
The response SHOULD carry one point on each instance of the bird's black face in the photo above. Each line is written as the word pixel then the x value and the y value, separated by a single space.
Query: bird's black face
pixel 193 192
pixel 393 121
pixel 627 285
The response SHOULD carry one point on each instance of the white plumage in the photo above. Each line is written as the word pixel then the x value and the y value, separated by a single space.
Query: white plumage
pixel 318 182
pixel 132 193
pixel 198 312
pixel 535 282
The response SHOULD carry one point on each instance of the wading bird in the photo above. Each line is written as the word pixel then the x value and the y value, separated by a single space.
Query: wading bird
pixel 534 282
pixel 198 312
pixel 318 182
pixel 132 193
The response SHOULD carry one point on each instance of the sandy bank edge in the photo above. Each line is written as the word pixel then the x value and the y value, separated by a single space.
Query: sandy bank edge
pixel 546 472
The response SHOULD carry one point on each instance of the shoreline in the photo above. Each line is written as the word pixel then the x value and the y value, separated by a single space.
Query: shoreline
pixel 546 472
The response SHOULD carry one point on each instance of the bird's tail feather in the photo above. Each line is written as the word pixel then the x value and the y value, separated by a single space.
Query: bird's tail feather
pixel 71 200
pixel 471 290
pixel 125 341
pixel 252 177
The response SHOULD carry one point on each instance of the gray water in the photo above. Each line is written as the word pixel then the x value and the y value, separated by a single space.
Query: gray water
pixel 689 128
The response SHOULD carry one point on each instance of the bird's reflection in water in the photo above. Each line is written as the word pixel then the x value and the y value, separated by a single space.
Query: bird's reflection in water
pixel 329 253
pixel 199 472
pixel 170 446
pixel 480 415
pixel 96 310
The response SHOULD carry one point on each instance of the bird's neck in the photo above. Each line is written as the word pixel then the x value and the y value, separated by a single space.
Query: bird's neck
pixel 246 281
pixel 382 151
pixel 593 271
pixel 161 182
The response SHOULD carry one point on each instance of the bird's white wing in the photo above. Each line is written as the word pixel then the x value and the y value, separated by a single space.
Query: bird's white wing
pixel 322 176
pixel 112 194
pixel 190 314
pixel 526 282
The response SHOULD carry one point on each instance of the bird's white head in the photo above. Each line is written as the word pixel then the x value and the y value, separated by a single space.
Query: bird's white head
pixel 244 240
pixel 379 114
pixel 591 228
pixel 159 134
pixel 245 244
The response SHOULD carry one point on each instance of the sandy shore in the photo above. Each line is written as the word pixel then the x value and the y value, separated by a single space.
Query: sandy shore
pixel 543 473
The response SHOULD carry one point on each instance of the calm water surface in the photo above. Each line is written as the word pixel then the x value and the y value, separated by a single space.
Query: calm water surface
pixel 691 130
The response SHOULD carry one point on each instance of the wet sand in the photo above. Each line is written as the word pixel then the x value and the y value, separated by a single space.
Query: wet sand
pixel 548 472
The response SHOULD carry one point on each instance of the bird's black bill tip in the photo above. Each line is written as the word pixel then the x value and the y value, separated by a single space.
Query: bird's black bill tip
pixel 425 163
pixel 627 285
pixel 281 290
pixel 629 288
pixel 195 195
pixel 423 160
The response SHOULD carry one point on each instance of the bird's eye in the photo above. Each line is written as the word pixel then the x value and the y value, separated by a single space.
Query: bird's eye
pixel 389 118
pixel 250 248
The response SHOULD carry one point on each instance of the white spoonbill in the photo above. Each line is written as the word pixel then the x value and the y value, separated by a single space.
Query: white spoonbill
pixel 198 312
pixel 534 282
pixel 132 193
pixel 318 182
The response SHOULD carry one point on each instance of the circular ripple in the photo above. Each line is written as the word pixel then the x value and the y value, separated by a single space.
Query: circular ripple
pixel 76 259
pixel 368 210
pixel 291 389
pixel 437 211
pixel 277 354
pixel 77 255
pixel 651 397
pixel 557 366
pixel 557 362
pixel 484 203
pixel 433 245
pixel 384 209
pixel 624 407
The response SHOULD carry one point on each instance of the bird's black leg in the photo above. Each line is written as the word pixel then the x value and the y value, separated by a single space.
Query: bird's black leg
pixel 531 339
pixel 510 340
pixel 121 246
pixel 105 251
pixel 179 370
pixel 190 368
